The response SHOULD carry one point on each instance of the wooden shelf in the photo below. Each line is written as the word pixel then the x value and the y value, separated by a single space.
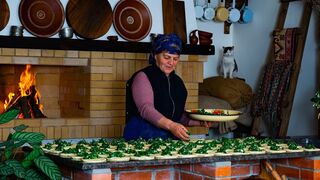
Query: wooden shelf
pixel 93 45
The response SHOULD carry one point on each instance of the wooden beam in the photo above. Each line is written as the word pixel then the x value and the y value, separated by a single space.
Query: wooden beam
pixel 289 96
pixel 168 16
pixel 282 14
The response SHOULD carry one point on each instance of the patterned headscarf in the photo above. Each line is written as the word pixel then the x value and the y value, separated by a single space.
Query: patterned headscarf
pixel 165 42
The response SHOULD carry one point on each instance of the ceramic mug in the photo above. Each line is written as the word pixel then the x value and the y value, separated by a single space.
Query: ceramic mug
pixel 246 14
pixel 208 12
pixel 222 13
pixel 198 10
pixel 234 13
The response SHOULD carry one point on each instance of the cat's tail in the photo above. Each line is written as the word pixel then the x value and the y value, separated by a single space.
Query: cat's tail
pixel 235 66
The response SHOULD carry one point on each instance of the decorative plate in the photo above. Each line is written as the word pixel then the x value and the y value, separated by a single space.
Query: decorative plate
pixel 89 19
pixel 42 18
pixel 4 14
pixel 132 19
pixel 214 114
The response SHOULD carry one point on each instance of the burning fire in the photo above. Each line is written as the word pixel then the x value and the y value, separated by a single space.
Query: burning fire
pixel 27 89
pixel 27 80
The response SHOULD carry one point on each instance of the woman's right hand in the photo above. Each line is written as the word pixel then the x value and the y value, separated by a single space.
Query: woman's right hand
pixel 179 131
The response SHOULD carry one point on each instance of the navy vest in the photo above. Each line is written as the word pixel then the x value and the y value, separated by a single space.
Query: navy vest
pixel 170 94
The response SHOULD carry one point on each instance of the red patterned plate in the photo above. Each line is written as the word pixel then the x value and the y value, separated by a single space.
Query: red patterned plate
pixel 132 19
pixel 42 18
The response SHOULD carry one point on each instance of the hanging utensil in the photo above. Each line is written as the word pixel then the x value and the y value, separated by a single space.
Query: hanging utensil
pixel 222 13
pixel 246 14
pixel 234 13
pixel 198 10
pixel 208 12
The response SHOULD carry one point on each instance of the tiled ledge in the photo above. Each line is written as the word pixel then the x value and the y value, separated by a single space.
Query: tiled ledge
pixel 74 58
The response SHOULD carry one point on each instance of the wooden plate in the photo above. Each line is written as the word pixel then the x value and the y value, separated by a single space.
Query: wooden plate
pixel 42 18
pixel 4 14
pixel 132 19
pixel 89 19
pixel 229 115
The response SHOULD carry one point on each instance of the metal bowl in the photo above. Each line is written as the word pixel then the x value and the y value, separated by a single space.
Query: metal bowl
pixel 16 31
pixel 112 38
pixel 66 32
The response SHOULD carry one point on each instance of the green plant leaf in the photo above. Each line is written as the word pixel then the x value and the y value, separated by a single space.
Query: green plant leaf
pixel 35 145
pixel 6 143
pixel 30 137
pixel 20 128
pixel 48 167
pixel 8 116
pixel 19 143
pixel 5 169
pixel 8 152
pixel 36 152
pixel 32 174
pixel 316 100
pixel 18 169
pixel 26 163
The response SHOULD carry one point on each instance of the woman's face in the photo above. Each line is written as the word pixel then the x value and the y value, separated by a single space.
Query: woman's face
pixel 167 62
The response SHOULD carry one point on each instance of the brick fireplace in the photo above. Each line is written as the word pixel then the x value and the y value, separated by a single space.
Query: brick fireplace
pixel 83 92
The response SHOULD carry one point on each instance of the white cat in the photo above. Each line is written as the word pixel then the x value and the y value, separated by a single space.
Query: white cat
pixel 228 63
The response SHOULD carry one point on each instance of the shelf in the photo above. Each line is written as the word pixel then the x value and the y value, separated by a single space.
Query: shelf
pixel 93 45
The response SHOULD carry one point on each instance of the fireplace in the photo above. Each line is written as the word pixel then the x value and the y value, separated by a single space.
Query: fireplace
pixel 83 92
pixel 62 90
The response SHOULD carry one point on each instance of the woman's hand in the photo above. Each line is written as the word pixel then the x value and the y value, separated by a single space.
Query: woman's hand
pixel 179 131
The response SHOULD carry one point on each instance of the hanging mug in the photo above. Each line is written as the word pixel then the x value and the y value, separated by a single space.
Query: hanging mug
pixel 234 13
pixel 246 14
pixel 198 10
pixel 222 13
pixel 208 12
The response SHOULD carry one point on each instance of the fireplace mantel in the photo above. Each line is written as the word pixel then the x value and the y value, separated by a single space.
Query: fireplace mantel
pixel 93 45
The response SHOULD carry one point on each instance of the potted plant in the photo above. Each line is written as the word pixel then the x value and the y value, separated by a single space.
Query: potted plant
pixel 32 164
pixel 316 101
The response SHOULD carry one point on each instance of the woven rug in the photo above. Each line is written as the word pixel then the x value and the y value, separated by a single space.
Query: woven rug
pixel 267 102
pixel 284 44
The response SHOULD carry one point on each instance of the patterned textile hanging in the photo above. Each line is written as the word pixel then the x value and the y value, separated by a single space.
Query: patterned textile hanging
pixel 268 101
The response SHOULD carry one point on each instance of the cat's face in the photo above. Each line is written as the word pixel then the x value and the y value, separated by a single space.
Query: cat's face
pixel 228 51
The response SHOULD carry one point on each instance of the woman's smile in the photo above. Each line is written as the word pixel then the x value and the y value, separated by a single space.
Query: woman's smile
pixel 167 62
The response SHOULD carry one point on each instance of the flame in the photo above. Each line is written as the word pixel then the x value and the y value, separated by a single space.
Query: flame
pixel 7 102
pixel 27 80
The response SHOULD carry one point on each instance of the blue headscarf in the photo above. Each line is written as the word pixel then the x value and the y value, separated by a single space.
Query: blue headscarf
pixel 165 42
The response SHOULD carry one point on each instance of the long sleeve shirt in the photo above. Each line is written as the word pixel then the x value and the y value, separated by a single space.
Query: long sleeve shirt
pixel 143 97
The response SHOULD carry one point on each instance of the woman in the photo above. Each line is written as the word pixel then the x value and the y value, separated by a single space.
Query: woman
pixel 156 96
